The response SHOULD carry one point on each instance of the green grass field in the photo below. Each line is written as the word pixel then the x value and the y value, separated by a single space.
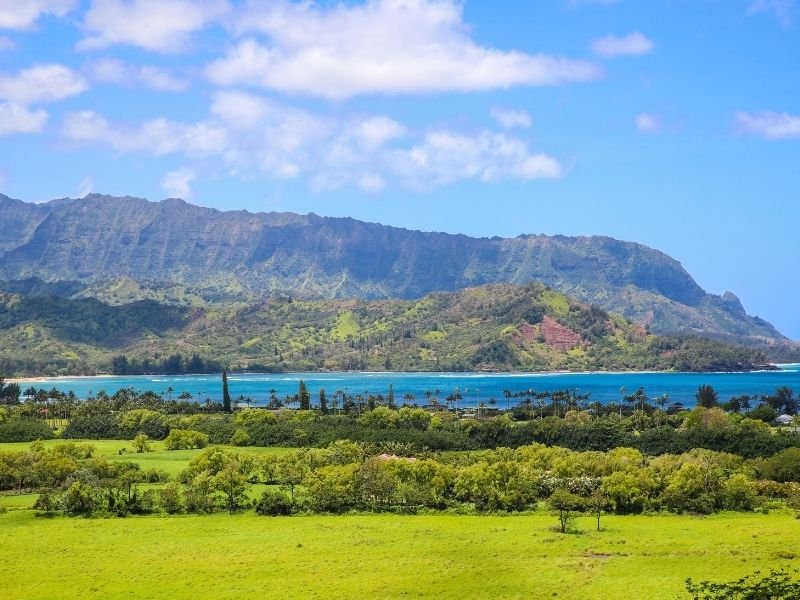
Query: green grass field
pixel 373 556
pixel 381 556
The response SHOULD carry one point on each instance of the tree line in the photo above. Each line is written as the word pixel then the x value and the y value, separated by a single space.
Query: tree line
pixel 347 476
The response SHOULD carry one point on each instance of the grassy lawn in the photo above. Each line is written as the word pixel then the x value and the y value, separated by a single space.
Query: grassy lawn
pixel 382 556
pixel 171 461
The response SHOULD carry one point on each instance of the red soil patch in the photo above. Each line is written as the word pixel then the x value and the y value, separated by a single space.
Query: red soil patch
pixel 558 336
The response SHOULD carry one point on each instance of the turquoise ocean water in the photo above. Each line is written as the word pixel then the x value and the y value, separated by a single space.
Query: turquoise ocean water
pixel 474 387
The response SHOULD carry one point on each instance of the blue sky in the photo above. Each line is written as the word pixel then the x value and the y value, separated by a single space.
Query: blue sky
pixel 675 123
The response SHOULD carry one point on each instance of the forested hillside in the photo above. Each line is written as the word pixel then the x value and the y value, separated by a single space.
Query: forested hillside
pixel 494 327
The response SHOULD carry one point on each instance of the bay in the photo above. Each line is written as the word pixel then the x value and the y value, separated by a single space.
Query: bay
pixel 473 387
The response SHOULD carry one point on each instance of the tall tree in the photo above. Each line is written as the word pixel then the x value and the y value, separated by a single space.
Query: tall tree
pixel 323 402
pixel 390 398
pixel 706 396
pixel 226 396
pixel 303 396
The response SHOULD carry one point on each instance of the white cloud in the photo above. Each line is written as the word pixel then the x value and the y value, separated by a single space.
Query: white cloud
pixel 633 44
pixel 767 124
pixel 41 83
pixel 272 136
pixel 6 43
pixel 371 183
pixel 238 109
pixel 248 133
pixel 647 123
pixel 157 136
pixel 23 14
pixel 158 25
pixel 111 70
pixel 444 157
pixel 511 118
pixel 784 10
pixel 19 119
pixel 381 46
pixel 178 184
pixel 85 187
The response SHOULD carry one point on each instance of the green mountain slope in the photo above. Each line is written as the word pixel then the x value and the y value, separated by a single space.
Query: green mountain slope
pixel 173 248
pixel 493 327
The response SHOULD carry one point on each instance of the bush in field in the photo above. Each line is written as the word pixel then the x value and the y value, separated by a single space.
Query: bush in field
pixel 254 416
pixel 240 438
pixel 80 499
pixel 101 426
pixel 142 443
pixel 567 505
pixel 142 420
pixel 739 493
pixel 783 466
pixel 19 429
pixel 171 498
pixel 185 439
pixel 155 476
pixel 274 504
pixel 219 429
pixel 332 488
pixel 47 503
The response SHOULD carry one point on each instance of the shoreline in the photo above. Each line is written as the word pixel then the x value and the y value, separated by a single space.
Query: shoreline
pixel 310 374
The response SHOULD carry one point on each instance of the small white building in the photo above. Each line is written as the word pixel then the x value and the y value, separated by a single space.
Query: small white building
pixel 784 420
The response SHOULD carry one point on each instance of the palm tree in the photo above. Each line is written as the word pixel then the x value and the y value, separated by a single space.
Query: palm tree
pixel 540 403
pixel 508 394
pixel 527 402
pixel 596 407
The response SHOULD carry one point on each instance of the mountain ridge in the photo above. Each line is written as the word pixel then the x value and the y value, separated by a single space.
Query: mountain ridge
pixel 104 238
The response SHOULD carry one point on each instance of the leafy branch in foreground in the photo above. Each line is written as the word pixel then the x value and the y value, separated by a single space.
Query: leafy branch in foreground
pixel 777 585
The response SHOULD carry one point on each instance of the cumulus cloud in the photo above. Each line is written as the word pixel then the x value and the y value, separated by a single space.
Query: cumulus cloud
pixel 444 157
pixel 15 118
pixel 783 10
pixel 111 70
pixel 41 83
pixel 178 183
pixel 156 136
pixel 157 25
pixel 381 46
pixel 633 44
pixel 647 123
pixel 511 118
pixel 249 133
pixel 767 124
pixel 23 14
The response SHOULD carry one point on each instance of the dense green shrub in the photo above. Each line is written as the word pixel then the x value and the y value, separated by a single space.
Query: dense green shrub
pixel 185 439
pixel 95 427
pixel 274 503
pixel 19 429
pixel 150 422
